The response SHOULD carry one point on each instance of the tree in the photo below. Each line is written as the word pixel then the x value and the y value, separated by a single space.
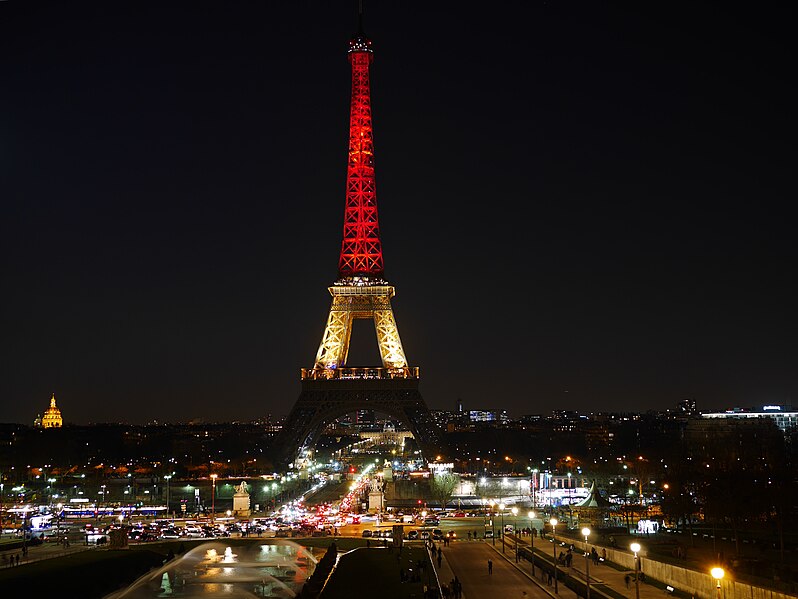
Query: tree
pixel 443 485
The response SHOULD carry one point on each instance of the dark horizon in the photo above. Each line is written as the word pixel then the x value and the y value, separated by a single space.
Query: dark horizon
pixel 582 208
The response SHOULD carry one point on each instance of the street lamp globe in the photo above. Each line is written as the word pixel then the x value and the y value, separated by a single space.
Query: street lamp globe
pixel 553 521
pixel 635 547
pixel 717 573
pixel 531 514
pixel 514 511
pixel 586 532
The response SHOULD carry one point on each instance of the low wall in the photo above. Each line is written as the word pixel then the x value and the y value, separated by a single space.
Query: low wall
pixel 701 584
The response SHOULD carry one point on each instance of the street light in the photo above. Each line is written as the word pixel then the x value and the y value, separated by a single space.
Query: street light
pixel 586 534
pixel 515 531
pixel 492 529
pixel 167 477
pixel 213 498
pixel 553 523
pixel 717 574
pixel 635 547
pixel 531 541
pixel 501 507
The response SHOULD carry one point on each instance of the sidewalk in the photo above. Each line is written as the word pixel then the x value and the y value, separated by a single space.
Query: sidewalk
pixel 444 572
pixel 603 576
pixel 38 553
pixel 541 578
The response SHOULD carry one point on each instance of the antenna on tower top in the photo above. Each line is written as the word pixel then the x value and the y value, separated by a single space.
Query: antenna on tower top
pixel 360 17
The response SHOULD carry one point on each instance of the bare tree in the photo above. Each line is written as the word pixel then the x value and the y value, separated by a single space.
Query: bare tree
pixel 442 487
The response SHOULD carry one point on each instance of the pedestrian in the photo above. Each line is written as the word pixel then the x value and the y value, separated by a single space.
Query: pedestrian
pixel 440 557
pixel 550 579
pixel 490 567
pixel 603 554
pixel 469 535
pixel 17 559
pixel 458 588
pixel 627 579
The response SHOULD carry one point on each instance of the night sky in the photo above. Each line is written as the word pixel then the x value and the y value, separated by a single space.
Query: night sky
pixel 583 206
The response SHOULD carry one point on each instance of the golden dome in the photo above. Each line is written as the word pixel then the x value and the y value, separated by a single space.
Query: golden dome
pixel 52 415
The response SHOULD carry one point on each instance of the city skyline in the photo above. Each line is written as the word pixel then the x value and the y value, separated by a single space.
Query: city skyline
pixel 175 194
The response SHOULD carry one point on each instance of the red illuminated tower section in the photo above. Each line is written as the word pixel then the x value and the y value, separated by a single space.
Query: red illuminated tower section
pixel 361 249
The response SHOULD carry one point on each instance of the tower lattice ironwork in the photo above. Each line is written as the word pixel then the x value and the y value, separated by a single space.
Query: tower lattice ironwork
pixel 330 388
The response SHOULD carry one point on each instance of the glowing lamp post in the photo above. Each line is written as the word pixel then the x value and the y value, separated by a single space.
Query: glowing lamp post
pixel 532 541
pixel 717 574
pixel 492 529
pixel 167 477
pixel 501 507
pixel 635 547
pixel 515 531
pixel 553 523
pixel 213 498
pixel 586 534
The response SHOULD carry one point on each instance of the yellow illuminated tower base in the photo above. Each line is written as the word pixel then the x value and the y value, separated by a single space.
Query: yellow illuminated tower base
pixel 367 302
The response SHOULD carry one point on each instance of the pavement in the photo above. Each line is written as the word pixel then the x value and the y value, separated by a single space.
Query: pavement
pixel 602 576
pixel 468 561
pixel 40 552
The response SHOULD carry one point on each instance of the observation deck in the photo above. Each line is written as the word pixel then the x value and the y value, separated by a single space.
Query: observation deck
pixel 337 374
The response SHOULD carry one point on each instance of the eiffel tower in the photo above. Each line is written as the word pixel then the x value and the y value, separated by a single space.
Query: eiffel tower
pixel 331 389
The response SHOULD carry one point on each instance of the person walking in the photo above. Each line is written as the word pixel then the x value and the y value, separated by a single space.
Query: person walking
pixel 440 557
pixel 490 566
pixel 627 579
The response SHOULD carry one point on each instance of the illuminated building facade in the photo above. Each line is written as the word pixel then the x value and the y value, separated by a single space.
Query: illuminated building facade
pixel 784 416
pixel 52 416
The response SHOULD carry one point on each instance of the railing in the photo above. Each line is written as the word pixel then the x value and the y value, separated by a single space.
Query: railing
pixel 327 374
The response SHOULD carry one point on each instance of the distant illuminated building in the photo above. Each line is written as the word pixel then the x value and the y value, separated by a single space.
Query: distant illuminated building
pixel 52 416
pixel 492 416
pixel 784 416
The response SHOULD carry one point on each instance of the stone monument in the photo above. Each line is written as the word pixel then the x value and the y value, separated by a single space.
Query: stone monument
pixel 376 497
pixel 241 501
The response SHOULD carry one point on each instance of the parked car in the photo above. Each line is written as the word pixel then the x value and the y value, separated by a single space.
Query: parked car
pixel 424 535
pixel 437 534
pixel 366 533
pixel 412 535
pixel 488 534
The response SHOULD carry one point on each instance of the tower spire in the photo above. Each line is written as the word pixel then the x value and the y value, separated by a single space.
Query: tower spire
pixel 361 248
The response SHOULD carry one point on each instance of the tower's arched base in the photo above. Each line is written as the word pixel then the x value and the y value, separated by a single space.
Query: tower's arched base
pixel 322 401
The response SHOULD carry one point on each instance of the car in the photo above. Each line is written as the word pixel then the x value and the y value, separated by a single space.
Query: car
pixel 450 534
pixel 412 535
pixel 431 521
pixel 488 534
pixel 424 535
pixel 366 533
pixel 437 534
pixel 509 528
pixel 459 514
